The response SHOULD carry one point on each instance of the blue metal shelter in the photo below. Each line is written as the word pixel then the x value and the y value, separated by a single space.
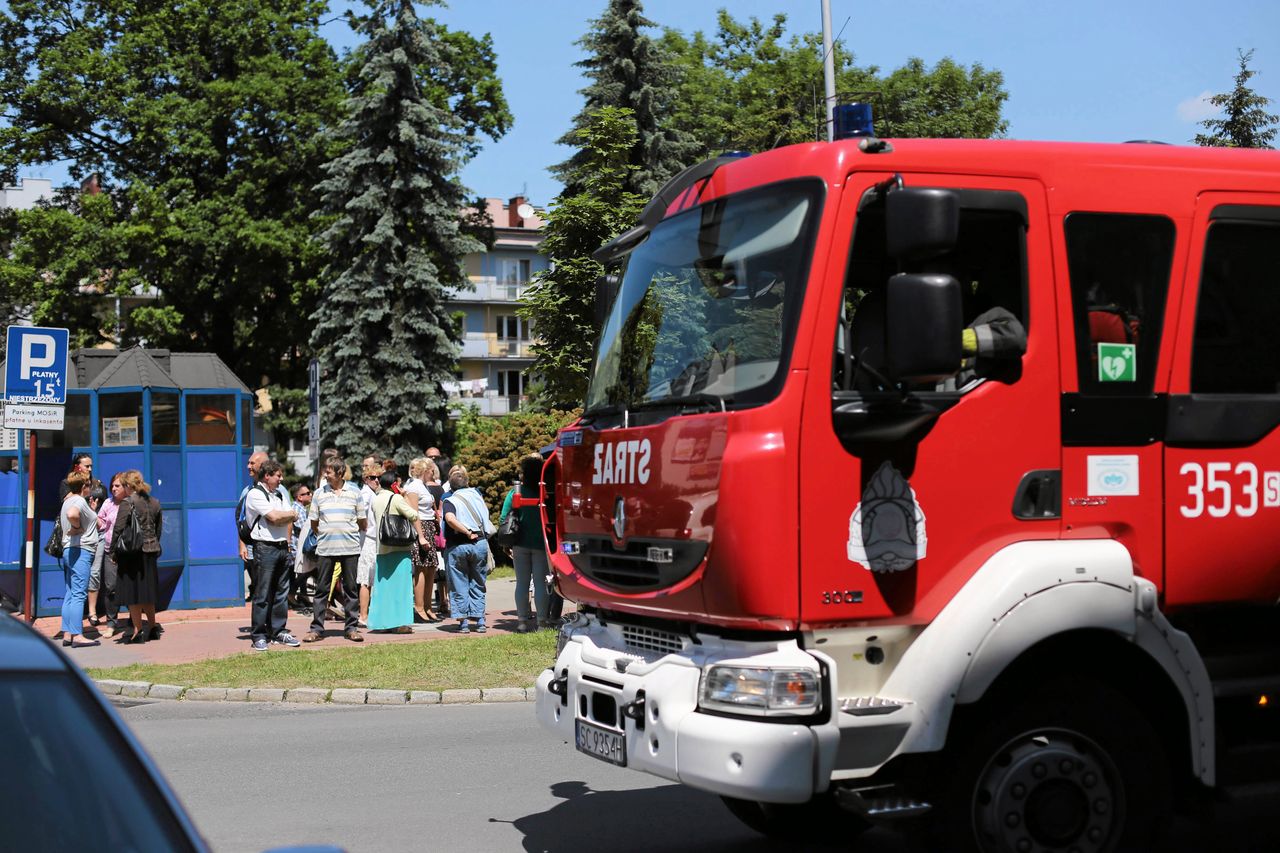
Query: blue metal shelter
pixel 186 422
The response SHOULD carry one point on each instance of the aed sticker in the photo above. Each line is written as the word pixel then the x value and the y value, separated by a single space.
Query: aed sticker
pixel 1117 363
pixel 1113 475
pixel 886 530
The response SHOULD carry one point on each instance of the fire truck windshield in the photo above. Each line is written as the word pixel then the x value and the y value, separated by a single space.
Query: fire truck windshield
pixel 708 303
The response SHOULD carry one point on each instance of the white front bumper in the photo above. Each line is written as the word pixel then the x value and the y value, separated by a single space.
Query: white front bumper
pixel 756 759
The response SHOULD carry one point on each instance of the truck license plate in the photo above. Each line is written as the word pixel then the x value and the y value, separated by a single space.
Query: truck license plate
pixel 601 743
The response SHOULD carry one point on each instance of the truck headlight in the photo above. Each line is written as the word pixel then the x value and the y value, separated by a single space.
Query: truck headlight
pixel 760 691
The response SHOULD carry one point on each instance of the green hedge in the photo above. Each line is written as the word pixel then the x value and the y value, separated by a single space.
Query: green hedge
pixel 491 448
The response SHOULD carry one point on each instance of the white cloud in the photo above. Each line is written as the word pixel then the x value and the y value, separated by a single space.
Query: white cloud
pixel 1197 109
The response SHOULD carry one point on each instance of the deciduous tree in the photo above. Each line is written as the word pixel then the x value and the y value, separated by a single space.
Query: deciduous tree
pixel 203 122
pixel 751 87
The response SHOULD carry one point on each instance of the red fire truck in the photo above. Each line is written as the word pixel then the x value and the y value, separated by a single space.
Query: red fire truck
pixel 934 480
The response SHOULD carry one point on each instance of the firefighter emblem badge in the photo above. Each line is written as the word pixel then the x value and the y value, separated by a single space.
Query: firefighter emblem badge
pixel 886 530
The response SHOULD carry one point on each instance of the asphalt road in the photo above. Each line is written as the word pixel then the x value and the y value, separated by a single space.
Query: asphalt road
pixel 473 778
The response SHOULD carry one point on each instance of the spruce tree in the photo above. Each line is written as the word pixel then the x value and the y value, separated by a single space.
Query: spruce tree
pixel 1247 124
pixel 381 330
pixel 628 69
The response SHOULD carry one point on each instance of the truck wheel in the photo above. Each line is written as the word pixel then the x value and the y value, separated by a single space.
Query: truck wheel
pixel 819 821
pixel 1078 768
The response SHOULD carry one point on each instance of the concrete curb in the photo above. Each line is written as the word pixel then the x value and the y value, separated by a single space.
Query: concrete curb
pixel 314 695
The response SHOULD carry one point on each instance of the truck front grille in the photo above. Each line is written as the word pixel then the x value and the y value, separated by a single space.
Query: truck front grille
pixel 630 568
pixel 652 640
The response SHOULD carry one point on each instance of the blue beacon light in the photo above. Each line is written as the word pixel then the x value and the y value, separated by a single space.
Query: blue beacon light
pixel 853 121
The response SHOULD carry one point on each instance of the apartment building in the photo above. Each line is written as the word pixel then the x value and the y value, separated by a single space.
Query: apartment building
pixel 26 193
pixel 496 342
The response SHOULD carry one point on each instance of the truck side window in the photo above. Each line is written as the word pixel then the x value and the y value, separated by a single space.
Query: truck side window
pixel 1236 349
pixel 1119 267
pixel 989 261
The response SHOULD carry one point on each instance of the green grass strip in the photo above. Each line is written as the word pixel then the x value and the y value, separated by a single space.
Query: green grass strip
pixel 507 660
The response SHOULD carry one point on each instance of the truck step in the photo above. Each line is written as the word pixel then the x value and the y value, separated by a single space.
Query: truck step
pixel 881 802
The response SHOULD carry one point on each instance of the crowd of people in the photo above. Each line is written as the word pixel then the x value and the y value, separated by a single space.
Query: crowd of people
pixel 110 547
pixel 370 550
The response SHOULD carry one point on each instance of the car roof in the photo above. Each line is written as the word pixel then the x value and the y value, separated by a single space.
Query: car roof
pixel 22 649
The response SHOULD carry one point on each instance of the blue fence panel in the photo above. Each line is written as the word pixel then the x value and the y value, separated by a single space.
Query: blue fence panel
pixel 211 534
pixel 12 489
pixel 215 583
pixel 213 476
pixel 166 476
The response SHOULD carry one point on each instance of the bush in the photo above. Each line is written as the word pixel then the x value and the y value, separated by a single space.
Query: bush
pixel 491 449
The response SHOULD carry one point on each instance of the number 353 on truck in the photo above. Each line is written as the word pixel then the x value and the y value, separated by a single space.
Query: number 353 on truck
pixel 933 482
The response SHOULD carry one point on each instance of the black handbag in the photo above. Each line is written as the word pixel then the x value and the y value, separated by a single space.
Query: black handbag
pixel 508 530
pixel 54 546
pixel 395 530
pixel 129 540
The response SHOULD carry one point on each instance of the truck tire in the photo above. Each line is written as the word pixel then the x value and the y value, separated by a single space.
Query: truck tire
pixel 1074 768
pixel 819 821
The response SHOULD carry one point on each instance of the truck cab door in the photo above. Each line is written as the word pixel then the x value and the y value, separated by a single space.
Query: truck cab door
pixel 1116 358
pixel 900 503
pixel 1222 454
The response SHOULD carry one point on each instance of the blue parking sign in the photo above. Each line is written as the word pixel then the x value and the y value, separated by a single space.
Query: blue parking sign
pixel 35 368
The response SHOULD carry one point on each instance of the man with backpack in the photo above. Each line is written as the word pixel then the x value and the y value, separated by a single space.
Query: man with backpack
pixel 242 532
pixel 270 517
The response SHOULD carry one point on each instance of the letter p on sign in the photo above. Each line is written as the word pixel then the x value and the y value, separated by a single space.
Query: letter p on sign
pixel 48 348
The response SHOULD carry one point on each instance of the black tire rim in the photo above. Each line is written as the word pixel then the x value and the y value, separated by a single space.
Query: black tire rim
pixel 1049 790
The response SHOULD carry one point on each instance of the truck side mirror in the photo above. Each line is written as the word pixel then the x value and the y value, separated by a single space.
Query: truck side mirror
pixel 921 223
pixel 923 325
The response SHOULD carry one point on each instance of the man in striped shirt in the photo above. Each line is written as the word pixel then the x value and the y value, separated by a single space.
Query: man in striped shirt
pixel 338 517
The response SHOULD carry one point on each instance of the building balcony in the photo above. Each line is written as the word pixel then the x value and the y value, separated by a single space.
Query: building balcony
pixel 488 345
pixel 487 288
pixel 489 403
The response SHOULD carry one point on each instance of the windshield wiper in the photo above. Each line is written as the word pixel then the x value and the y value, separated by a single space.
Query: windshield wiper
pixel 605 409
pixel 700 399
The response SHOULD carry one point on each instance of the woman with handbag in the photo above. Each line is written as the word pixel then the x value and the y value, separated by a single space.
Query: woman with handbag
pixel 396 526
pixel 422 551
pixel 136 542
pixel 79 526
pixel 528 550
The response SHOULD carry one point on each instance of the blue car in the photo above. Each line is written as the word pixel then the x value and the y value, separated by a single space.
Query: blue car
pixel 74 777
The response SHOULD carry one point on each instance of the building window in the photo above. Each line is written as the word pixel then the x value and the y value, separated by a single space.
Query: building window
pixel 511 328
pixel 510 383
pixel 515 271
pixel 211 419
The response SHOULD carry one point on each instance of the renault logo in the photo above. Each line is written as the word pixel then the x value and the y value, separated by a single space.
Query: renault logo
pixel 619 519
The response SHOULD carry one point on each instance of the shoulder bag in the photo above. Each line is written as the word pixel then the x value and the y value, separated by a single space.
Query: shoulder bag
pixel 54 546
pixel 394 530
pixel 129 540
pixel 508 531
pixel 485 528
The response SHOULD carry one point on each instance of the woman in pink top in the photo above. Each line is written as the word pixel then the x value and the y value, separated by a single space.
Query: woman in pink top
pixel 107 516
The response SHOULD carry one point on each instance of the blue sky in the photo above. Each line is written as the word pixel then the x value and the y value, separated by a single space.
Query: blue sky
pixel 1093 70
pixel 1075 70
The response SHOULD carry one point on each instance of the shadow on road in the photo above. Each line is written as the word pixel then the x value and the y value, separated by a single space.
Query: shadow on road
pixel 654 820
pixel 676 818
